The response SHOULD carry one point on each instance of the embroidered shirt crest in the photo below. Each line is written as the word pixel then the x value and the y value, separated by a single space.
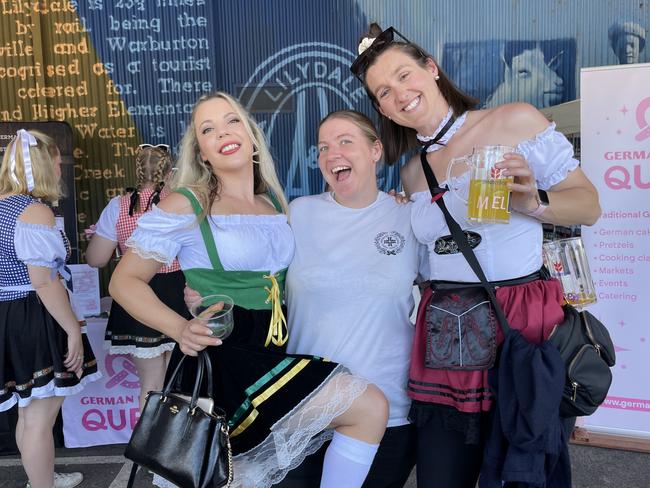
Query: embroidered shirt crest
pixel 389 243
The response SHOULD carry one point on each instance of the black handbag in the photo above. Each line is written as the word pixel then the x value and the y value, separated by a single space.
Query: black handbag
pixel 588 353
pixel 583 341
pixel 176 439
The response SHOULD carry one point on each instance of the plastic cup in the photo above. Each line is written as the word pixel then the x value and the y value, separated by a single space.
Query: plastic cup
pixel 216 310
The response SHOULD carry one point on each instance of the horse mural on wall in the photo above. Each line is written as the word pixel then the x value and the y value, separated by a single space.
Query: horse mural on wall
pixel 541 73
pixel 529 78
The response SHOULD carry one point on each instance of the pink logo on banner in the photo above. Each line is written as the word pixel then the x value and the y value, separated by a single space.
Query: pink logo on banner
pixel 125 374
pixel 641 121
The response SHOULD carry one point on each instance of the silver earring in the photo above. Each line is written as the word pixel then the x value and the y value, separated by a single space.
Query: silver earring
pixel 437 77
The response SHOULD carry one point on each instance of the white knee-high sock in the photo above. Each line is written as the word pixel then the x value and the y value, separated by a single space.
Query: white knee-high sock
pixel 347 462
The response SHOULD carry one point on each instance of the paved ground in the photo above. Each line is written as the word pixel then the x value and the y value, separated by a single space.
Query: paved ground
pixel 104 467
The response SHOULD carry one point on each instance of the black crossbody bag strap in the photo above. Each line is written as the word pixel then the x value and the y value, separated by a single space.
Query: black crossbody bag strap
pixel 461 240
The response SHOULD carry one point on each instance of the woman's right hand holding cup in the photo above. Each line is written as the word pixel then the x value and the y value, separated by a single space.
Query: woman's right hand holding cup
pixel 196 336
pixel 213 316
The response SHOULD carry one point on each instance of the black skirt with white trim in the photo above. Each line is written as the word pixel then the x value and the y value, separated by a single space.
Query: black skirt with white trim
pixel 32 352
pixel 126 335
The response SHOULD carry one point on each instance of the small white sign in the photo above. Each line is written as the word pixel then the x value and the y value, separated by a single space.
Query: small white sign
pixel 85 281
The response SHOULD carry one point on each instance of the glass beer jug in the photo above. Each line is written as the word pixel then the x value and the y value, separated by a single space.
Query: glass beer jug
pixel 488 196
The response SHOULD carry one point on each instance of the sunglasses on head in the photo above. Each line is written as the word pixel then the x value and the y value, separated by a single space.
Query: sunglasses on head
pixel 162 147
pixel 381 42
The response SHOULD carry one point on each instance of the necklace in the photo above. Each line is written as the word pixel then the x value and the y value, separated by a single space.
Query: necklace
pixel 448 126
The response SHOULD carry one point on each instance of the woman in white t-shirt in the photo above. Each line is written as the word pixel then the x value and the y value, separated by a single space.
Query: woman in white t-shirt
pixel 349 285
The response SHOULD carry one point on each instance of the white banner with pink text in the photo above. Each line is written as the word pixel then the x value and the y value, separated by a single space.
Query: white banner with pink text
pixel 615 154
pixel 105 411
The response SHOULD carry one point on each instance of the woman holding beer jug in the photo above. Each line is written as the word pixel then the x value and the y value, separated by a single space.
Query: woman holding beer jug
pixel 469 151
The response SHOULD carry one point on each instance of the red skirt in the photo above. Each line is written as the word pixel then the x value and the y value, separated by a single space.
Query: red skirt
pixel 533 308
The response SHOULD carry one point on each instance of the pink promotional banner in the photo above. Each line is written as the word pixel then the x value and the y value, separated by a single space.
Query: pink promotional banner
pixel 105 411
pixel 615 154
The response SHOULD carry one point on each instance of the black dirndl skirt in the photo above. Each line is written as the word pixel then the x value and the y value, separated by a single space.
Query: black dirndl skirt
pixel 32 352
pixel 278 405
pixel 126 335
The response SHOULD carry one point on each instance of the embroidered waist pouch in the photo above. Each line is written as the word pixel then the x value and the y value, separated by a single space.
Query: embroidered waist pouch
pixel 461 326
